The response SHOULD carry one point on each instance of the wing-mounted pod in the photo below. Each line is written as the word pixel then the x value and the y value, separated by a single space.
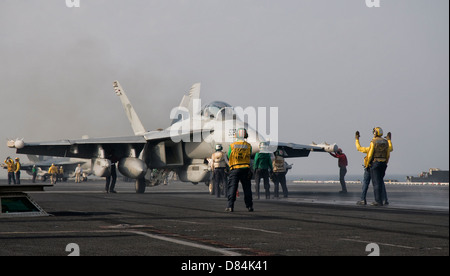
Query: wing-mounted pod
pixel 195 172
pixel 101 167
pixel 326 147
pixel 15 143
pixel 132 167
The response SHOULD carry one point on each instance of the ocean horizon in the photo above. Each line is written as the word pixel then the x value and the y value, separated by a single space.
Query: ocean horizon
pixel 292 177
pixel 335 177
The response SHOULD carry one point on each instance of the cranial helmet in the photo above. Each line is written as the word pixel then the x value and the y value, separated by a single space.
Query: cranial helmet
pixel 241 133
pixel 219 147
pixel 377 131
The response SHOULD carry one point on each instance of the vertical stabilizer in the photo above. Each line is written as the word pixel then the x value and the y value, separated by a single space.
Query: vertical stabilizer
pixel 194 94
pixel 187 102
pixel 136 123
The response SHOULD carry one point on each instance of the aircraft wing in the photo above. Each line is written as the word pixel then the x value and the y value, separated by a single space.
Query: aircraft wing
pixel 298 150
pixel 112 148
pixel 83 148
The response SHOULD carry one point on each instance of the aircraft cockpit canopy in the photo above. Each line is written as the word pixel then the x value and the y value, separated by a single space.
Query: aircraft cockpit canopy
pixel 218 109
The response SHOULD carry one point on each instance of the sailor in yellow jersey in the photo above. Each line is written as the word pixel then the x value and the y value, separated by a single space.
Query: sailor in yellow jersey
pixel 18 166
pixel 377 158
pixel 53 171
pixel 11 168
pixel 239 155
pixel 367 177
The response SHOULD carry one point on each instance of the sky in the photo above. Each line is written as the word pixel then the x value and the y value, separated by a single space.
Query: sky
pixel 330 67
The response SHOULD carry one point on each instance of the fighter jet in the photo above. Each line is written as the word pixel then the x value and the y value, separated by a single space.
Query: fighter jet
pixel 182 147
pixel 43 163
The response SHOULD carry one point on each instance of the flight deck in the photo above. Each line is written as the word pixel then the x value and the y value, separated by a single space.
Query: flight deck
pixel 181 219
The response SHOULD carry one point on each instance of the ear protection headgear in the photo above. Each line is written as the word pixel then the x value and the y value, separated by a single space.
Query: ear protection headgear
pixel 377 131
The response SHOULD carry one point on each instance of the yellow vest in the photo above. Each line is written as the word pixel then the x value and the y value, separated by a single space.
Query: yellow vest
pixel 378 151
pixel 240 154
pixel 368 149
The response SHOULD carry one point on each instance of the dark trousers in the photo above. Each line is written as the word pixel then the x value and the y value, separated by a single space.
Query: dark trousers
pixel 111 181
pixel 377 172
pixel 234 177
pixel 219 178
pixel 11 177
pixel 365 184
pixel 280 178
pixel 264 174
pixel 18 177
pixel 342 173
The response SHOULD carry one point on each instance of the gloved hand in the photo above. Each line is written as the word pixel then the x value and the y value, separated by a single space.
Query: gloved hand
pixel 272 175
pixel 388 136
pixel 357 135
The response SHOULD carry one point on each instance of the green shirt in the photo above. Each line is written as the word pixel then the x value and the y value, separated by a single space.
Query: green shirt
pixel 262 161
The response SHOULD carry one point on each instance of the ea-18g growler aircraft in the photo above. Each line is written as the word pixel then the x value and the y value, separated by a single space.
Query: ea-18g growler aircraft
pixel 183 147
